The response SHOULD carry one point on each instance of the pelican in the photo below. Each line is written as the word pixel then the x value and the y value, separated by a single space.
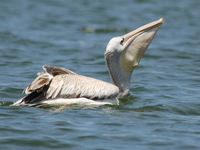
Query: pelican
pixel 58 86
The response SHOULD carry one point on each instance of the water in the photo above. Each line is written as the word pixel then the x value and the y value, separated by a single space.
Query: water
pixel 163 108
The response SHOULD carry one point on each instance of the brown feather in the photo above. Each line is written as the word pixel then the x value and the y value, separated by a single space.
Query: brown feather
pixel 57 70
pixel 44 78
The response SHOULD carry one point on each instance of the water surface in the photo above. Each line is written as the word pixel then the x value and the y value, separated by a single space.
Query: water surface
pixel 163 108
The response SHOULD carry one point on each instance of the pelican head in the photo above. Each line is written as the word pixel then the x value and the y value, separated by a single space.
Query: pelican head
pixel 124 53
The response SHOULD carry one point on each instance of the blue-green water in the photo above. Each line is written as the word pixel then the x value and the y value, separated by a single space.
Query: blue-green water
pixel 163 108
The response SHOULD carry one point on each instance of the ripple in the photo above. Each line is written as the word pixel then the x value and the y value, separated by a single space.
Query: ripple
pixel 49 143
pixel 104 30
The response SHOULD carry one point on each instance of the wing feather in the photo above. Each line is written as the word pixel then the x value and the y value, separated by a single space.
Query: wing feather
pixel 77 86
pixel 54 89
pixel 44 78
pixel 54 71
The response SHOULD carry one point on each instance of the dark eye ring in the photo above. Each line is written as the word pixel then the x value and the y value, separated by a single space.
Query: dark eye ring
pixel 122 41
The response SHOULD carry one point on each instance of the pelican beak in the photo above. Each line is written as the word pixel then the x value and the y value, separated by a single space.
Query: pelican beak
pixel 136 43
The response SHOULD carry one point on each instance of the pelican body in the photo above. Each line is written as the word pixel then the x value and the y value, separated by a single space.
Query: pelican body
pixel 58 86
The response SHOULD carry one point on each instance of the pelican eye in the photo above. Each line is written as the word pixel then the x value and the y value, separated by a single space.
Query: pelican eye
pixel 122 41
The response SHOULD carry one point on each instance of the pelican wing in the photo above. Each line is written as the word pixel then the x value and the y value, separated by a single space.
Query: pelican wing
pixel 57 82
